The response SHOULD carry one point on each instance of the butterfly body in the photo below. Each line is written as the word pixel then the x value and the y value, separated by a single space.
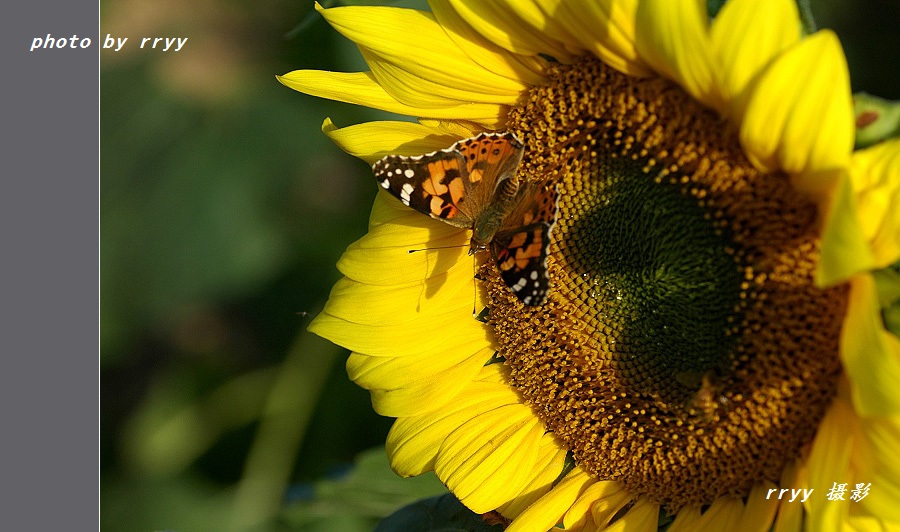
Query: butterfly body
pixel 473 185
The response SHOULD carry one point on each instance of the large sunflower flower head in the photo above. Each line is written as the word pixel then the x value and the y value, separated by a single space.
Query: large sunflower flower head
pixel 711 351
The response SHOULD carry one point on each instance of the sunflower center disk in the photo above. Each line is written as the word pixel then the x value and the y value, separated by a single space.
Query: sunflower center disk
pixel 684 350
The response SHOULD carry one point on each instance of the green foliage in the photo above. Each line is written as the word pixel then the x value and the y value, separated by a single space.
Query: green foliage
pixel 437 514
pixel 360 497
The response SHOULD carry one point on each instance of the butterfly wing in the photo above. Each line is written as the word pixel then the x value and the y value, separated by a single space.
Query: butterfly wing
pixel 491 159
pixel 455 184
pixel 433 184
pixel 521 251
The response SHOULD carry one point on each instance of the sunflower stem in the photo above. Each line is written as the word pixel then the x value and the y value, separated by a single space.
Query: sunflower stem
pixel 282 427
pixel 806 17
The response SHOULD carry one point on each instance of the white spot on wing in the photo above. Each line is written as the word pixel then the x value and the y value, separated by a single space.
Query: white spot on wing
pixel 520 284
pixel 405 192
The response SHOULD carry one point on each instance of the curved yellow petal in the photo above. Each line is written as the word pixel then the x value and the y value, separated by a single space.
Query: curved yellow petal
pixel 540 17
pixel 748 35
pixel 528 70
pixel 759 512
pixel 607 29
pixel 379 305
pixel 429 391
pixel 496 23
pixel 875 175
pixel 483 462
pixel 597 505
pixel 799 113
pixel 460 129
pixel 409 48
pixel 382 256
pixel 391 373
pixel 644 516
pixel 416 337
pixel 686 520
pixel 723 514
pixel 549 509
pixel 871 355
pixel 673 38
pixel 789 518
pixel 370 141
pixel 883 438
pixel 829 464
pixel 845 250
pixel 547 468
pixel 413 442
pixel 361 88
pixel 421 91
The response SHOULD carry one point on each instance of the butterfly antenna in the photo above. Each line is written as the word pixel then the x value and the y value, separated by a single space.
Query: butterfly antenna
pixel 474 284
pixel 439 247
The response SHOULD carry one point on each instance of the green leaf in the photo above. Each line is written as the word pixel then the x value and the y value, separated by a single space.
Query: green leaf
pixel 367 493
pixel 443 513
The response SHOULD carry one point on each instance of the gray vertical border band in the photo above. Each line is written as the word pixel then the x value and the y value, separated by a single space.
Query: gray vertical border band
pixel 49 271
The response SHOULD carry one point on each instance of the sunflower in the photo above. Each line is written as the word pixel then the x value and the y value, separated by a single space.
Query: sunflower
pixel 712 353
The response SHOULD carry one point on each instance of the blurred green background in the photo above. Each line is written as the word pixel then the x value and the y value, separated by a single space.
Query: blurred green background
pixel 223 212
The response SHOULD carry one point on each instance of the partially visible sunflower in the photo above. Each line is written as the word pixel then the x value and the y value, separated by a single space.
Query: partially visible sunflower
pixel 713 337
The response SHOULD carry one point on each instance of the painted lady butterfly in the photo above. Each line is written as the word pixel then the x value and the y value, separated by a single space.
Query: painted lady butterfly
pixel 473 185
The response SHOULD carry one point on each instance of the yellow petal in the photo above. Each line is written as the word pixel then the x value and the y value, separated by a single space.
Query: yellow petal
pixel 597 505
pixel 459 129
pixel 829 464
pixel 759 512
pixel 875 175
pixel 381 305
pixel 408 48
pixel 540 17
pixel 790 517
pixel 673 38
pixel 382 256
pixel 845 250
pixel 799 113
pixel 871 355
pixel 883 438
pixel 417 337
pixel 415 385
pixel 388 373
pixel 724 514
pixel 483 462
pixel 370 141
pixel 607 29
pixel 361 88
pixel 413 442
pixel 419 91
pixel 748 35
pixel 686 520
pixel 498 24
pixel 643 516
pixel 528 70
pixel 547 468
pixel 549 509
pixel 430 390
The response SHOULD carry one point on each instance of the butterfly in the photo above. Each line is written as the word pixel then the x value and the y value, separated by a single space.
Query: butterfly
pixel 473 185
